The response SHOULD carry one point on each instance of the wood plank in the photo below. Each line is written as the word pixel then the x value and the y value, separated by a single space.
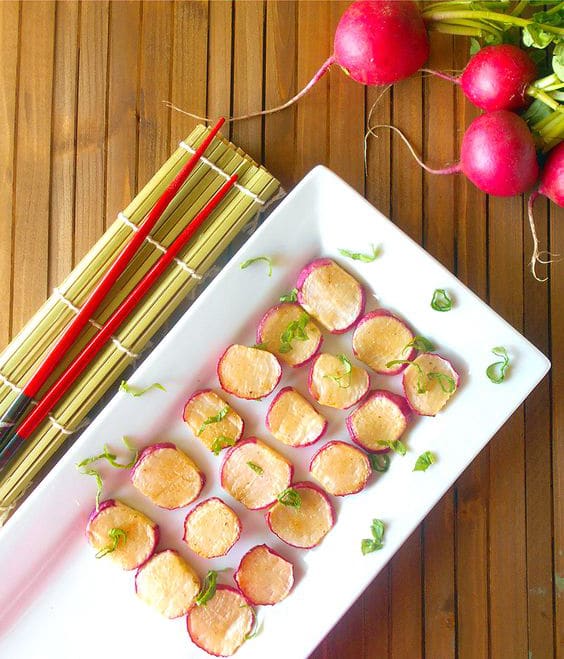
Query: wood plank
pixel 280 85
pixel 123 81
pixel 472 488
pixel 507 578
pixel 91 126
pixel 439 195
pixel 154 88
pixel 63 158
pixel 189 65
pixel 9 53
pixel 33 161
pixel 248 46
pixel 220 40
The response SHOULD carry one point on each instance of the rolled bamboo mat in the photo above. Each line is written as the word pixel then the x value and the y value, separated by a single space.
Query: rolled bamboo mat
pixel 255 189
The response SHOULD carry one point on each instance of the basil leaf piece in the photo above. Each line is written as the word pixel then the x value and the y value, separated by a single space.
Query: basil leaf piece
pixel 369 545
pixel 441 301
pixel 359 256
pixel 214 419
pixel 221 442
pixel 379 462
pixel 420 343
pixel 292 296
pixel 424 461
pixel 115 535
pixel 208 588
pixel 249 262
pixel 496 371
pixel 290 497
pixel 346 362
pixel 396 445
pixel 255 467
pixel 448 385
pixel 138 391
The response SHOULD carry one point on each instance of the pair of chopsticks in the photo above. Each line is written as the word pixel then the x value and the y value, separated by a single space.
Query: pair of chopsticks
pixel 14 428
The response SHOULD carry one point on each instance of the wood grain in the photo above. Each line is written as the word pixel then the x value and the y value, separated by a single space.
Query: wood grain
pixel 83 125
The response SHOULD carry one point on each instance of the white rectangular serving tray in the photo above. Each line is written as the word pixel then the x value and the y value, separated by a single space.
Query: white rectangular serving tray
pixel 58 602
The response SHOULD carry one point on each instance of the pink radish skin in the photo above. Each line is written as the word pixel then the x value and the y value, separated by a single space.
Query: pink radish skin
pixel 359 456
pixel 306 272
pixel 279 395
pixel 378 313
pixel 219 619
pixel 552 186
pixel 262 333
pixel 498 154
pixel 247 393
pixel 250 591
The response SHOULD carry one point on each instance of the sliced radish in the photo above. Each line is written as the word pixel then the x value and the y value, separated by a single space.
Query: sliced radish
pixel 288 332
pixel 199 413
pixel 263 576
pixel 255 474
pixel 340 468
pixel 211 528
pixel 379 338
pixel 428 383
pixel 223 624
pixel 330 295
pixel 168 584
pixel 382 417
pixel 335 382
pixel 248 372
pixel 167 476
pixel 293 421
pixel 138 541
pixel 306 525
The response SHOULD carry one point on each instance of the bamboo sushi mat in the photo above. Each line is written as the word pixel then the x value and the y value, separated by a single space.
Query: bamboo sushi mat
pixel 255 190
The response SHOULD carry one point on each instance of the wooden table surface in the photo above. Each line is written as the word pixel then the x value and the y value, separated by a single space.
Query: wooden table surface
pixel 83 125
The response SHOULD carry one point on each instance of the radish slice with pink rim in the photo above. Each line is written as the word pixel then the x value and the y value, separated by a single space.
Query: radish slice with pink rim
pixel 293 420
pixel 264 577
pixel 429 382
pixel 335 382
pixel 340 469
pixel 211 528
pixel 248 372
pixel 205 406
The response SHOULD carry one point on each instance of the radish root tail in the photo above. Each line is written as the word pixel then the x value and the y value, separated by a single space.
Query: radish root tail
pixel 536 256
pixel 453 169
pixel 378 99
pixel 322 71
pixel 444 76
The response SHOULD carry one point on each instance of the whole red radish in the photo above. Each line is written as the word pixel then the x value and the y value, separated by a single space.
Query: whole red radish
pixel 552 186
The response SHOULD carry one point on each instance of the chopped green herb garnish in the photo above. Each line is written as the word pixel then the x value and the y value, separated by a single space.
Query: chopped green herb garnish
pixel 208 588
pixel 421 344
pixel 368 545
pixel 99 484
pixel 421 389
pixel 395 445
pixel 424 461
pixel 292 296
pixel 496 371
pixel 255 467
pixel 260 346
pixel 379 462
pixel 294 332
pixel 221 442
pixel 441 301
pixel 290 497
pixel 346 374
pixel 249 262
pixel 359 256
pixel 111 458
pixel 214 419
pixel 256 630
pixel 138 391
pixel 448 385
pixel 115 535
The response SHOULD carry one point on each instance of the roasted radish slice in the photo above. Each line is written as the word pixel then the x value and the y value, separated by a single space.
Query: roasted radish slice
pixel 379 338
pixel 212 420
pixel 340 468
pixel 211 528
pixel 167 476
pixel 255 474
pixel 292 420
pixel 125 535
pixel 302 517
pixel 379 421
pixel 330 295
pixel 287 331
pixel 428 382
pixel 335 382
pixel 248 372
pixel 168 584
pixel 263 576
pixel 222 624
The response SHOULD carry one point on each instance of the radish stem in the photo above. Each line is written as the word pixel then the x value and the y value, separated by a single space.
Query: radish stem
pixel 541 95
pixel 496 17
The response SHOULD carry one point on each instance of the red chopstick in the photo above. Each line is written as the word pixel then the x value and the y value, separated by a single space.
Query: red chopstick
pixel 18 408
pixel 54 394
